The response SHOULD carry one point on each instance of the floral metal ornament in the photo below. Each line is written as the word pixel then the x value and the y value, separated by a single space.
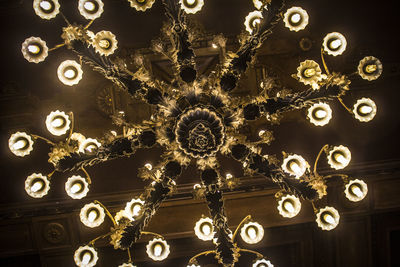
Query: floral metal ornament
pixel 289 206
pixel 191 6
pixel 339 157
pixel 295 19
pixel 46 9
pixel 105 43
pixel 319 114
pixel 69 72
pixel 334 44
pixel 90 9
pixel 92 215
pixel 327 218
pixel 34 49
pixel 356 190
pixel 252 20
pixel 86 256
pixel 20 144
pixel 37 185
pixel 310 73
pixel 141 5
pixel 157 249
pixel 58 123
pixel 364 109
pixel 370 68
pixel 76 187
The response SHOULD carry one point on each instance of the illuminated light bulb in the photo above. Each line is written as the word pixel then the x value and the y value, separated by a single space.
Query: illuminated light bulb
pixel 294 166
pixel 287 205
pixel 214 45
pixel 371 68
pixel 309 72
pixel 114 133
pixel 356 190
pixel 76 188
pixel 158 249
pixel 295 18
pixel 365 109
pixel 69 73
pixel 136 209
pixel 148 166
pixel 229 176
pixel 255 22
pixel 90 6
pixel 91 148
pixel 335 44
pixel 320 114
pixel 252 233
pixel 104 43
pixel 190 2
pixel 340 158
pixel 261 132
pixel 34 49
pixel 206 229
pixel 92 216
pixel 38 185
pixel 196 186
pixel 45 5
pixel 328 218
pixel 57 122
pixel 86 258
pixel 19 144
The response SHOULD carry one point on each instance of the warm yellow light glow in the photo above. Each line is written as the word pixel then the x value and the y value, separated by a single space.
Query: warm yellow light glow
pixel 294 166
pixel 261 132
pixel 104 43
pixel 148 166
pixel 45 5
pixel 69 73
pixel 335 44
pixel 91 148
pixel 340 158
pixel 320 114
pixel 92 216
pixel 328 218
pixel 19 144
pixel 113 133
pixel 90 6
pixel 252 232
pixel 229 176
pixel 136 209
pixel 57 122
pixel 206 229
pixel 158 249
pixel 295 18
pixel 255 22
pixel 86 258
pixel 38 185
pixel 190 2
pixel 34 49
pixel 356 190
pixel 214 45
pixel 309 72
pixel 371 68
pixel 365 109
pixel 288 206
pixel 76 188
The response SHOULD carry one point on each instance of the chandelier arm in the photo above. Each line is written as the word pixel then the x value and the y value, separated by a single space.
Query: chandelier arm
pixel 154 195
pixel 185 55
pixel 270 170
pixel 300 100
pixel 226 250
pixel 123 78
pixel 247 51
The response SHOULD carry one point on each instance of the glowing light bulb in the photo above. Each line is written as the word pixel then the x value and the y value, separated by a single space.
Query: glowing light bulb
pixel 34 49
pixel 356 190
pixel 136 209
pixel 288 206
pixel 92 216
pixel 295 18
pixel 261 133
pixel 335 44
pixel 45 5
pixel 206 229
pixel 320 114
pixel 76 188
pixel 57 122
pixel 340 158
pixel 86 258
pixel 229 176
pixel 252 233
pixel 19 144
pixel 190 2
pixel 294 166
pixel 104 43
pixel 158 249
pixel 196 186
pixel 89 6
pixel 69 73
pixel 91 147
pixel 255 22
pixel 214 45
pixel 328 218
pixel 365 109
pixel 309 72
pixel 148 166
pixel 37 186
pixel 371 68
pixel 114 133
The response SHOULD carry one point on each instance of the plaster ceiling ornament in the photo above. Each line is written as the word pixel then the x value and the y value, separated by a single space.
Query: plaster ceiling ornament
pixel 196 119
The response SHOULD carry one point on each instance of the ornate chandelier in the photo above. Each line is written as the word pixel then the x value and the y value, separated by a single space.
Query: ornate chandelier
pixel 195 119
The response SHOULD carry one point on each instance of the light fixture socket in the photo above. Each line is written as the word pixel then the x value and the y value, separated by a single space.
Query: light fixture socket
pixel 86 212
pixel 327 218
pixel 295 165
pixel 157 249
pixel 319 114
pixel 58 122
pixel 252 20
pixel 364 109
pixel 334 44
pixel 199 229
pixel 356 190
pixel 46 9
pixel 76 187
pixel 37 185
pixel 295 19
pixel 191 6
pixel 252 232
pixel 370 68
pixel 289 206
pixel 90 9
pixel 69 72
pixel 34 49
pixel 20 144
pixel 339 157
pixel 86 256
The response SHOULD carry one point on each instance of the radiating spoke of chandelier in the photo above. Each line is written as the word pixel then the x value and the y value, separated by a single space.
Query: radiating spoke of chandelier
pixel 184 53
pixel 262 22
pixel 154 195
pixel 225 248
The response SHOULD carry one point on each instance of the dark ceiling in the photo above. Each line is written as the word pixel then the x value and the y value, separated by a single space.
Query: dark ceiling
pixel 30 91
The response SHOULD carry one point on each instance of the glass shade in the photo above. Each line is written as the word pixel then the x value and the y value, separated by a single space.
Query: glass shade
pixel 69 72
pixel 90 145
pixel 86 256
pixel 46 9
pixel 134 207
pixel 262 263
pixel 20 144
pixel 92 215
pixel 90 9
pixel 295 18
pixel 204 229
pixel 252 20
pixel 157 249
pixel 327 218
pixel 364 109
pixel 289 206
pixel 339 157
pixel 309 73
pixel 57 122
pixel 37 185
pixel 127 265
pixel 76 187
pixel 319 114
pixel 34 49
pixel 141 5
pixel 356 190
pixel 334 44
pixel 191 6
pixel 295 165
pixel 370 68
pixel 252 232
pixel 105 43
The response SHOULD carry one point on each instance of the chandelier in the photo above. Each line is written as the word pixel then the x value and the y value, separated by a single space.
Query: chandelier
pixel 195 118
